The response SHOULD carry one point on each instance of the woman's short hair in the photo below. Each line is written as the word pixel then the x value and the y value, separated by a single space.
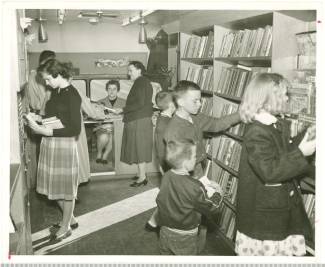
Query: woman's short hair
pixel 55 67
pixel 46 55
pixel 163 99
pixel 113 82
pixel 182 87
pixel 179 151
pixel 263 92
pixel 138 65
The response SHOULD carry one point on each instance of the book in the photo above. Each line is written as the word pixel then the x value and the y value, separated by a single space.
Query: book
pixel 110 109
pixel 53 123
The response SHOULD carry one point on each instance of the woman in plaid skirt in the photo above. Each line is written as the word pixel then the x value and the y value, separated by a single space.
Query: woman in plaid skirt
pixel 57 174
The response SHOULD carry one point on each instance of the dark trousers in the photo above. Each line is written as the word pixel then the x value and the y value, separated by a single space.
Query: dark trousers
pixel 172 243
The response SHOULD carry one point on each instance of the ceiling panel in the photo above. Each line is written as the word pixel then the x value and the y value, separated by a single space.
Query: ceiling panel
pixel 159 17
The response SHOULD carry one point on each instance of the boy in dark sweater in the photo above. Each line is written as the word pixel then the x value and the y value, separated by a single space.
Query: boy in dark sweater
pixel 181 201
pixel 189 123
pixel 165 103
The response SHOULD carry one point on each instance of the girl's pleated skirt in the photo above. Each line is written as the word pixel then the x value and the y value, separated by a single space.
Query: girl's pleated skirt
pixel 57 173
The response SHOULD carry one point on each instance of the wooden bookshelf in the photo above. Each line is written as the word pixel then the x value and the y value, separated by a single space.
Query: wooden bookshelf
pixel 229 97
pixel 273 50
pixel 207 93
pixel 229 242
pixel 229 205
pixel 225 167
pixel 226 82
pixel 200 61
pixel 234 136
pixel 247 61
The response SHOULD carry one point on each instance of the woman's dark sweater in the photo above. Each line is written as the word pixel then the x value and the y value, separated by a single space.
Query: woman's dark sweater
pixel 139 101
pixel 65 105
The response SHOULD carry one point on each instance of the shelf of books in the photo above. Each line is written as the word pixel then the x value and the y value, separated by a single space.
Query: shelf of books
pixel 239 50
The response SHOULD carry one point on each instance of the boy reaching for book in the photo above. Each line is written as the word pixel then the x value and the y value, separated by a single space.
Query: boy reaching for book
pixel 181 201
pixel 188 122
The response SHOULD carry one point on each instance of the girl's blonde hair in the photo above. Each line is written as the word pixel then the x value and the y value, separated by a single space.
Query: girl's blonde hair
pixel 263 93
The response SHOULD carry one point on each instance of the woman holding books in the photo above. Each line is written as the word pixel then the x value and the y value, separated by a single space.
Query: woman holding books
pixel 137 140
pixel 57 174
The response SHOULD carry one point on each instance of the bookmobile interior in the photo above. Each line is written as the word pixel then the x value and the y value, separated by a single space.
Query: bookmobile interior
pixel 218 49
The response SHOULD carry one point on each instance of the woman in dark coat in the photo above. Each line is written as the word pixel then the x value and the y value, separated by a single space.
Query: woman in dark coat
pixel 137 138
pixel 271 219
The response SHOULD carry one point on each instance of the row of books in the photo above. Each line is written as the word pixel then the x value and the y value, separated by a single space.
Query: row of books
pixel 302 98
pixel 227 222
pixel 201 76
pixel 309 202
pixel 207 106
pixel 227 182
pixel 229 152
pixel 301 123
pixel 247 43
pixel 233 80
pixel 229 108
pixel 199 46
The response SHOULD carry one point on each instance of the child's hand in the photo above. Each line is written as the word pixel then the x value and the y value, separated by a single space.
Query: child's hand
pixel 118 111
pixel 35 116
pixel 217 188
pixel 307 147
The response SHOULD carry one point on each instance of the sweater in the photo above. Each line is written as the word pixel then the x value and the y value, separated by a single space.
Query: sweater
pixel 181 200
pixel 139 101
pixel 161 125
pixel 269 204
pixel 65 105
pixel 119 103
pixel 179 128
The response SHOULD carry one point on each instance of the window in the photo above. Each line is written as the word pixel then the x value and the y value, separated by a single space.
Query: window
pixel 98 91
pixel 81 86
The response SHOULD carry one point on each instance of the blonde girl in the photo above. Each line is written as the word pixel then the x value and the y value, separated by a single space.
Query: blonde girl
pixel 271 219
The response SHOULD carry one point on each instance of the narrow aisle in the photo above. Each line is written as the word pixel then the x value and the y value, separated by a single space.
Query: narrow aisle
pixel 111 218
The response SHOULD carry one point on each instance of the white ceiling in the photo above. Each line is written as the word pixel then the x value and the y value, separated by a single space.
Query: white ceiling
pixel 158 17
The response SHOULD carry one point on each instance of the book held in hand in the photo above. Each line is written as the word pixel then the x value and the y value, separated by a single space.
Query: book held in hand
pixel 53 123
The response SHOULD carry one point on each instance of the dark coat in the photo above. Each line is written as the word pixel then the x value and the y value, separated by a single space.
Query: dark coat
pixel 139 101
pixel 268 157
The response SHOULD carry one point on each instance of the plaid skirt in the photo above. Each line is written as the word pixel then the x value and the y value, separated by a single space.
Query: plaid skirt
pixel 84 166
pixel 58 168
pixel 137 141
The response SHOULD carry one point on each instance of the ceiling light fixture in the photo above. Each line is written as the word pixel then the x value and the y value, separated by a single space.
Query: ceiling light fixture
pixel 143 32
pixel 96 14
pixel 61 14
pixel 132 19
pixel 42 34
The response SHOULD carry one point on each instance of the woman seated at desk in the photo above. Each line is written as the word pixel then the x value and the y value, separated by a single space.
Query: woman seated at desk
pixel 104 131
